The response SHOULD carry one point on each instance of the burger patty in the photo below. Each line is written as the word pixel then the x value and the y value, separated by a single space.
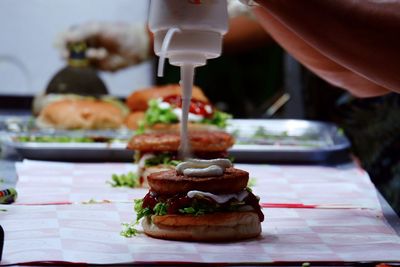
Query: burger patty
pixel 170 141
pixel 171 183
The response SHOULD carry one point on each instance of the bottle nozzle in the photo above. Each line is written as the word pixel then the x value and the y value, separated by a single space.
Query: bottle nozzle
pixel 164 50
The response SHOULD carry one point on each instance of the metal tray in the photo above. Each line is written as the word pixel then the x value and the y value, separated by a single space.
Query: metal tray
pixel 299 141
pixel 256 141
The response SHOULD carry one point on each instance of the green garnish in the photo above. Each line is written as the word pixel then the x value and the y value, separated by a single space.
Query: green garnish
pixel 252 182
pixel 164 158
pixel 3 210
pixel 130 179
pixel 54 139
pixel 219 119
pixel 157 114
pixel 160 209
pixel 129 230
pixel 140 211
pixel 93 201
pixel 193 211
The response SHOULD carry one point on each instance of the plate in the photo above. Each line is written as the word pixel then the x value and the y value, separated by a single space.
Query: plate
pixel 256 141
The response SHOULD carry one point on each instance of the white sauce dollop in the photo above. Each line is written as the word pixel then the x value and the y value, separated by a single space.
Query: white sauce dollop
pixel 203 168
pixel 164 105
pixel 191 116
pixel 220 198
pixel 142 161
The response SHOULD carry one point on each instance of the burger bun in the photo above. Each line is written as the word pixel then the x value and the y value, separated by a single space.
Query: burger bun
pixel 213 227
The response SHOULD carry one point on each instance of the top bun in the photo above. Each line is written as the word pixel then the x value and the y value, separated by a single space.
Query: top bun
pixel 88 114
pixel 138 100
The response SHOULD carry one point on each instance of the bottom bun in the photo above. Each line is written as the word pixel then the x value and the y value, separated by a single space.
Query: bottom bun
pixel 214 227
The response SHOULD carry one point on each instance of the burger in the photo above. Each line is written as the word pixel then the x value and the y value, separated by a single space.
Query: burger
pixel 160 109
pixel 82 113
pixel 202 200
pixel 159 151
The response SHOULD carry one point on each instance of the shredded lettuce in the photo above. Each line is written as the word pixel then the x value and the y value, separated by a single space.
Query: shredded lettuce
pixel 163 158
pixel 54 139
pixel 140 211
pixel 219 119
pixel 130 179
pixel 129 230
pixel 157 114
pixel 160 209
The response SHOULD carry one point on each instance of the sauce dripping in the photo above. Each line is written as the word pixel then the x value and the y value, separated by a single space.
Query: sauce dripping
pixel 187 78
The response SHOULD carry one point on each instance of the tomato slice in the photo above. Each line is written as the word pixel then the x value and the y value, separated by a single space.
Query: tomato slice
pixel 197 107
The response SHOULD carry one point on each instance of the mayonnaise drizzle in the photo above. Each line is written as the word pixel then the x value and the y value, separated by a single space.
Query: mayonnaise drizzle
pixel 203 168
pixel 220 198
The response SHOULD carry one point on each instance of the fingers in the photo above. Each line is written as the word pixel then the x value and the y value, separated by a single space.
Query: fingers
pixel 316 61
pixel 359 35
pixel 111 45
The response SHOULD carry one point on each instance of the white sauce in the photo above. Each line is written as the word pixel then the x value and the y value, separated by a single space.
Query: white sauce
pixel 203 168
pixel 143 159
pixel 220 198
pixel 191 116
pixel 164 105
pixel 208 109
pixel 187 76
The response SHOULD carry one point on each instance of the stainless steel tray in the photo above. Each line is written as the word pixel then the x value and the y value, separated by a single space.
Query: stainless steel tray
pixel 299 141
pixel 256 141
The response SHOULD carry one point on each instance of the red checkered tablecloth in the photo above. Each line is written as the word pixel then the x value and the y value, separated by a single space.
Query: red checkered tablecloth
pixel 89 233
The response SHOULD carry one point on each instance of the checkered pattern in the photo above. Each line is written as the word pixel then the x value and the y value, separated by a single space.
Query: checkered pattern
pixel 90 233
pixel 48 182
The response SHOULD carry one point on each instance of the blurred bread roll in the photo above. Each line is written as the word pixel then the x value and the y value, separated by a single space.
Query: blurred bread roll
pixel 138 100
pixel 88 114
pixel 133 119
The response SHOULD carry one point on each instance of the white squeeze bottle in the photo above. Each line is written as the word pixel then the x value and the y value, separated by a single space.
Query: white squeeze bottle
pixel 187 32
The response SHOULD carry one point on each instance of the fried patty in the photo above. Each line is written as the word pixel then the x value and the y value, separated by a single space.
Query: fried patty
pixel 171 183
pixel 170 141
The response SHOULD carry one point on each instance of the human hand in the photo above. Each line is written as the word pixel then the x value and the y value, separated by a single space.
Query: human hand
pixel 350 44
pixel 111 46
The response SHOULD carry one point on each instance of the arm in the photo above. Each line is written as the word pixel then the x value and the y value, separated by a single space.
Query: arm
pixel 244 34
pixel 358 36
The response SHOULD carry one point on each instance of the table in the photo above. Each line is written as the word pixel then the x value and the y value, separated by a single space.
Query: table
pixel 67 213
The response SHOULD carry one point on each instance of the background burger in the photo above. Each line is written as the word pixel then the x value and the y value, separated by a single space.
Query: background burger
pixel 158 151
pixel 187 205
pixel 78 112
pixel 159 108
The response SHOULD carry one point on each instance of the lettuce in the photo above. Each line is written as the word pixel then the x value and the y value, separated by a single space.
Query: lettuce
pixel 163 158
pixel 219 119
pixel 140 211
pixel 157 114
pixel 130 179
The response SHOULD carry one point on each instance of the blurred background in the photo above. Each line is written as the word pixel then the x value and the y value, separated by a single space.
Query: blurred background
pixel 28 57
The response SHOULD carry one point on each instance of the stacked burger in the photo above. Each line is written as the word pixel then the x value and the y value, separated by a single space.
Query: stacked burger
pixel 156 113
pixel 202 200
pixel 159 151
pixel 159 109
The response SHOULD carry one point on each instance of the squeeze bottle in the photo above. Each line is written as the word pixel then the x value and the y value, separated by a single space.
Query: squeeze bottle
pixel 187 32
